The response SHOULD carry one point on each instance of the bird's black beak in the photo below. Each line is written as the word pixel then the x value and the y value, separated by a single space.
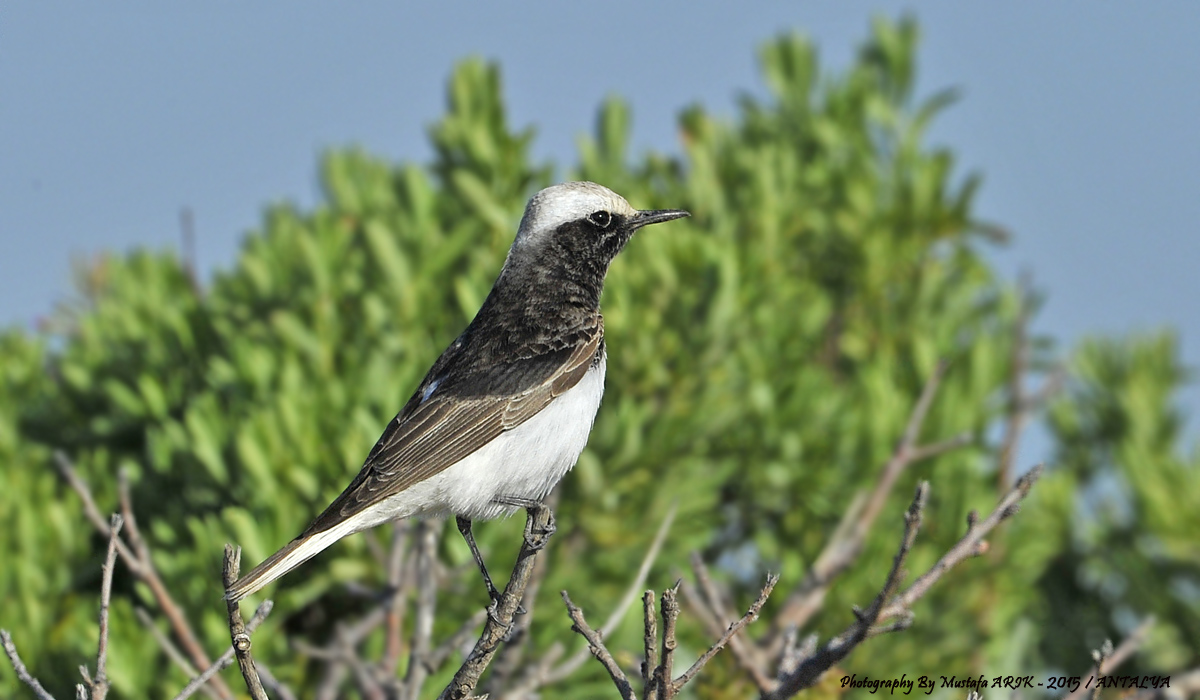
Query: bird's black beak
pixel 655 216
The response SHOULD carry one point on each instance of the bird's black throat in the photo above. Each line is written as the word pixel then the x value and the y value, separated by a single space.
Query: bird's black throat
pixel 548 295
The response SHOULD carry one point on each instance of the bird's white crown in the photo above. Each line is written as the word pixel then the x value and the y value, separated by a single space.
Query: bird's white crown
pixel 570 201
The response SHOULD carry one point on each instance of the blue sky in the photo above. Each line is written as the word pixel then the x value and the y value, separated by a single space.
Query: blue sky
pixel 1082 116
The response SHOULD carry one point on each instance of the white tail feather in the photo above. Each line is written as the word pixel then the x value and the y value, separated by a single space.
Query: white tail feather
pixel 294 554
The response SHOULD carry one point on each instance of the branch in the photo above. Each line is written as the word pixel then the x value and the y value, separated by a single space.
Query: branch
pixel 627 600
pixel 508 661
pixel 222 662
pixel 141 565
pixel 847 541
pixel 809 671
pixel 173 652
pixel 649 645
pixel 19 667
pixel 100 683
pixel 664 688
pixel 545 671
pixel 237 629
pixel 538 528
pixel 708 602
pixel 596 646
pixel 657 676
pixel 1107 659
pixel 735 627
pixel 972 544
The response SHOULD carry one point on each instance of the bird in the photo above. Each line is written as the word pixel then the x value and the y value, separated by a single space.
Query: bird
pixel 506 410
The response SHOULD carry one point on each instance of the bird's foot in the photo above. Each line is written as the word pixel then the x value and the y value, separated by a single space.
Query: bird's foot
pixel 537 538
pixel 494 606
pixel 493 613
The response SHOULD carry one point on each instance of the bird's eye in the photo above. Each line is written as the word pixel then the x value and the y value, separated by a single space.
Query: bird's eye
pixel 601 219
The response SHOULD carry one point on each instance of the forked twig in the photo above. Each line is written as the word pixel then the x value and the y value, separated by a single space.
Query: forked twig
pixel 808 671
pixel 971 545
pixel 844 547
pixel 573 663
pixel 141 566
pixel 99 684
pixel 596 646
pixel 730 634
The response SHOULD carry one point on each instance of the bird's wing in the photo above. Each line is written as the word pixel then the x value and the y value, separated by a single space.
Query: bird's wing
pixel 430 435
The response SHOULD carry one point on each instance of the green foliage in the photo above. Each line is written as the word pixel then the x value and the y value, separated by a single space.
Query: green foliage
pixel 1133 548
pixel 764 357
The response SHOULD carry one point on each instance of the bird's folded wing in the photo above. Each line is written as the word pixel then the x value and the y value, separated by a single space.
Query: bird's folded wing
pixel 433 435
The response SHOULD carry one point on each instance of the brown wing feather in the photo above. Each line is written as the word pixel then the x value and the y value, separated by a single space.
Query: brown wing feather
pixel 434 435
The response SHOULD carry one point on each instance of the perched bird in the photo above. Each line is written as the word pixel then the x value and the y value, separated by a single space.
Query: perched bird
pixel 506 410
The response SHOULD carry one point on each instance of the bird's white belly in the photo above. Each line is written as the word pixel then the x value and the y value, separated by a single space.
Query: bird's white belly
pixel 524 463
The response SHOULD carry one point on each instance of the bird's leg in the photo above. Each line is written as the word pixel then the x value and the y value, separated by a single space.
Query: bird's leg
pixel 464 526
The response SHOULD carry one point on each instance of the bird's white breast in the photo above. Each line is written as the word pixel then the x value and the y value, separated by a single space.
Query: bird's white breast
pixel 524 463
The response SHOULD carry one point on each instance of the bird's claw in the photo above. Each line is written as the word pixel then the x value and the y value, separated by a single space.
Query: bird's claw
pixel 493 613
pixel 536 541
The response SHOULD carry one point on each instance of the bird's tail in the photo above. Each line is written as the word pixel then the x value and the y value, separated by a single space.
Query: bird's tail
pixel 296 552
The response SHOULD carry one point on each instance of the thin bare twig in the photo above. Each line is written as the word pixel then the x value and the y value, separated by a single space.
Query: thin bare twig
pixel 99 684
pixel 735 627
pixel 708 602
pixel 809 671
pixel 508 658
pixel 844 547
pixel 131 527
pixel 1107 659
pixel 237 628
pixel 597 648
pixel 538 528
pixel 222 662
pixel 543 672
pixel 173 653
pixel 664 688
pixel 572 664
pixel 1101 655
pixel 972 544
pixel 19 666
pixel 649 645
pixel 142 567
